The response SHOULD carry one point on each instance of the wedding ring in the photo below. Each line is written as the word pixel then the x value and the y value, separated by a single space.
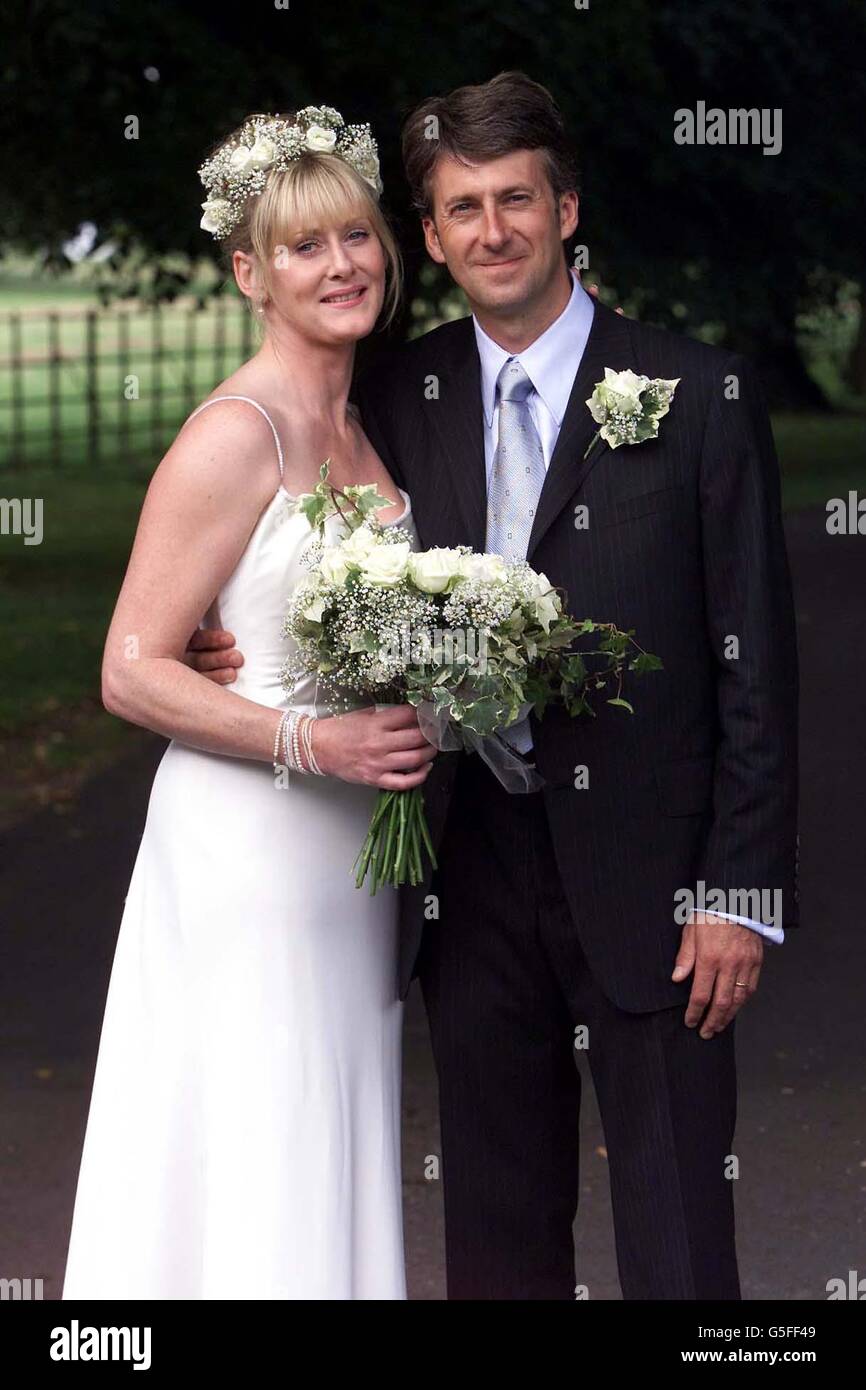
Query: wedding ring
pixel 740 984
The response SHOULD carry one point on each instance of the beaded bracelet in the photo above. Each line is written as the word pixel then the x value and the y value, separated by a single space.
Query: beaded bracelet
pixel 293 760
pixel 307 740
pixel 295 734
pixel 280 728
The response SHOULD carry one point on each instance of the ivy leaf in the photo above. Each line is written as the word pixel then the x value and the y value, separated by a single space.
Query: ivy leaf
pixel 618 700
pixel 646 661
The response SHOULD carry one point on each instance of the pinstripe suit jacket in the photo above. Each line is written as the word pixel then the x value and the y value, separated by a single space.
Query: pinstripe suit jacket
pixel 683 542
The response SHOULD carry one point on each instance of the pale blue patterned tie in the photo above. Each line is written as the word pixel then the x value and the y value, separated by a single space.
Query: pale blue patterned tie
pixel 515 485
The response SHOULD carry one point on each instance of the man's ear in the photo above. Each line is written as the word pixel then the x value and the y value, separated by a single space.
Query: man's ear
pixel 431 239
pixel 568 218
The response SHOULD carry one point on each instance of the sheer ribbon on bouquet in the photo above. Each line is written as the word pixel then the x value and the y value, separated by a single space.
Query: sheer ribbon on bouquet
pixel 506 764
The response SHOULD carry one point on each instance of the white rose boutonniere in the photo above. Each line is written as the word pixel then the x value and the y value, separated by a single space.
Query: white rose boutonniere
pixel 628 407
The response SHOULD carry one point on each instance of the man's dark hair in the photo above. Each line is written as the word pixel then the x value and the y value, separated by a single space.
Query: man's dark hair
pixel 478 123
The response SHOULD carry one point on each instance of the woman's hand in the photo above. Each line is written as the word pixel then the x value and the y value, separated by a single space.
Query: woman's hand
pixel 384 748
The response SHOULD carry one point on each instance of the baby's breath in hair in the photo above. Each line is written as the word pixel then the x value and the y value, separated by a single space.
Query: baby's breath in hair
pixel 238 170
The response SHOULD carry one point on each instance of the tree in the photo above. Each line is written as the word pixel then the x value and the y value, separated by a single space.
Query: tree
pixel 718 240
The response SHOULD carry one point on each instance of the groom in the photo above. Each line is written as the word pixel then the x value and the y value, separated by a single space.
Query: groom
pixel 550 924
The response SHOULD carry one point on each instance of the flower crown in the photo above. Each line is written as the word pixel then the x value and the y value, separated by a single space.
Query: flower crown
pixel 239 168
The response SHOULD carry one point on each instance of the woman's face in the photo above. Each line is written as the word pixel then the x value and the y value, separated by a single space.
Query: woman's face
pixel 327 282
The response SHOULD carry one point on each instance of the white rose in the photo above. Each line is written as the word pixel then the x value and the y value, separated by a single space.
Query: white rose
pixel 357 547
pixel 214 209
pixel 487 567
pixel 387 564
pixel 368 166
pixel 433 570
pixel 538 583
pixel 239 160
pixel 317 138
pixel 263 153
pixel 332 566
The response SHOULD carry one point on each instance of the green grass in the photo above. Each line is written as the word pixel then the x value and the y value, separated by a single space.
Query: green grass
pixel 820 456
pixel 56 601
pixel 145 383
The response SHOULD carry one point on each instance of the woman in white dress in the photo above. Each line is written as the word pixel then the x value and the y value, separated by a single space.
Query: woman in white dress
pixel 243 1138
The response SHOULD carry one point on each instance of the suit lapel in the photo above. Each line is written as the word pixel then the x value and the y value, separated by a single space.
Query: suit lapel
pixel 608 345
pixel 461 499
pixel 458 507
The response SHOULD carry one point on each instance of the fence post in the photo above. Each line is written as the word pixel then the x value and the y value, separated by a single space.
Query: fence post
pixel 125 402
pixel 156 386
pixel 92 388
pixel 247 333
pixel 189 384
pixel 220 343
pixel 17 439
pixel 54 359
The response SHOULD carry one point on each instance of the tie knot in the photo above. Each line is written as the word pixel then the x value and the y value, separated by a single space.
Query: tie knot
pixel 512 383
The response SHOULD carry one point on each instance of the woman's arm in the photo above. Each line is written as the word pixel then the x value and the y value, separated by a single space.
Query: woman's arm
pixel 201 507
pixel 200 510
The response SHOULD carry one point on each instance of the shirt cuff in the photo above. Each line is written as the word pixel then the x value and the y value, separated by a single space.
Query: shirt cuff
pixel 772 933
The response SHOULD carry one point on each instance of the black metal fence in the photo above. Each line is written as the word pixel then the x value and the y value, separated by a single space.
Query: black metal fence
pixel 103 387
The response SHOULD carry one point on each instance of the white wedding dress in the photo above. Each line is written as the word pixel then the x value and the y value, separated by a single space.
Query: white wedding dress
pixel 243 1138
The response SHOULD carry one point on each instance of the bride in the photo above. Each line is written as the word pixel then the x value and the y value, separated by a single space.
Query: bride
pixel 243 1138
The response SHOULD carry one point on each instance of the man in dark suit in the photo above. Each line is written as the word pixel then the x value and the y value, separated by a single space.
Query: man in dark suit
pixel 550 922
pixel 556 910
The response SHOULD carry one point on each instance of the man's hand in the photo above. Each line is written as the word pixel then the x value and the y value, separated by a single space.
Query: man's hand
pixel 212 652
pixel 721 953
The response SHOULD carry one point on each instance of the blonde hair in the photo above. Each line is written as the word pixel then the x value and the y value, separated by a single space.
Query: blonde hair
pixel 318 188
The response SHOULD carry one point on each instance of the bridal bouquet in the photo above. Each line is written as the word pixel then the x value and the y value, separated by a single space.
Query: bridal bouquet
pixel 473 641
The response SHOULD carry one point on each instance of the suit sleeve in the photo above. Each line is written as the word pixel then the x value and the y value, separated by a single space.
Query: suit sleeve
pixel 752 842
pixel 376 418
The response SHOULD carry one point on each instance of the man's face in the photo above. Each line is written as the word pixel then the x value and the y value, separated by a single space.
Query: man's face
pixel 499 229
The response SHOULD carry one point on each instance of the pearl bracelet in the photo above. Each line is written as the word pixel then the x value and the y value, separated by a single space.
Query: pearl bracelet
pixel 295 736
pixel 280 729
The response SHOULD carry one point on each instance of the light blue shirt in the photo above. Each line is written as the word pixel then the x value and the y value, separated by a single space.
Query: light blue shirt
pixel 551 363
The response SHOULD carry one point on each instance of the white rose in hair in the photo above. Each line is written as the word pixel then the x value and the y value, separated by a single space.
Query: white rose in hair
pixel 319 139
pixel 263 153
pixel 433 570
pixel 214 209
pixel 387 564
pixel 239 161
pixel 368 165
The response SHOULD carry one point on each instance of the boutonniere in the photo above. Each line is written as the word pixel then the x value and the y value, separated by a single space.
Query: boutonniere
pixel 628 407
